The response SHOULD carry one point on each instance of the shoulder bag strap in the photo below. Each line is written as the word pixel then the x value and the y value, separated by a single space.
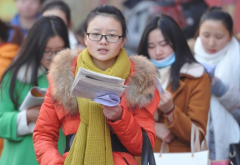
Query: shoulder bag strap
pixel 147 153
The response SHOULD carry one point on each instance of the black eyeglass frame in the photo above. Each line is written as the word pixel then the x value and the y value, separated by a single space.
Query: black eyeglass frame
pixel 105 36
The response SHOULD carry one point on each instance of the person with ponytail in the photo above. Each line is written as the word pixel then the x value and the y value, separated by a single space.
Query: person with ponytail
pixel 97 134
pixel 217 47
pixel 185 85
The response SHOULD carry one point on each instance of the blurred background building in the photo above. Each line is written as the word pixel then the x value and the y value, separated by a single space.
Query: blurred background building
pixel 186 12
pixel 80 8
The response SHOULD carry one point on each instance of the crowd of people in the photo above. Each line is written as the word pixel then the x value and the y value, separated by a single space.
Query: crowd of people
pixel 170 85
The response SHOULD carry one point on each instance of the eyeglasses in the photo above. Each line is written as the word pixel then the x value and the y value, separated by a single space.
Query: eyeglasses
pixel 98 37
pixel 48 55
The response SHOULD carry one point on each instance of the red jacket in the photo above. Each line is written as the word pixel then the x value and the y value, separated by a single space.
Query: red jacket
pixel 57 110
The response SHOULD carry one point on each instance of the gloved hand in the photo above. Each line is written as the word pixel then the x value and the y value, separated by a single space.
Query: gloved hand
pixel 218 87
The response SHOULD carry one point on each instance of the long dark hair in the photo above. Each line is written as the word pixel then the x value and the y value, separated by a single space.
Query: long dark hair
pixel 32 49
pixel 175 38
pixel 4 30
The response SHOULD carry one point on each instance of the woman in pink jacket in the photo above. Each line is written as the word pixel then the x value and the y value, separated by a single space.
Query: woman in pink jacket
pixel 102 134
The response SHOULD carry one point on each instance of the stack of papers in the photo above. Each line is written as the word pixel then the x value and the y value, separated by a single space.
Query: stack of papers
pixel 98 87
pixel 35 97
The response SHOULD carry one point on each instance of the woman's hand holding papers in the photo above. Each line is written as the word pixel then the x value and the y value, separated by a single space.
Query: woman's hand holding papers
pixel 32 114
pixel 113 113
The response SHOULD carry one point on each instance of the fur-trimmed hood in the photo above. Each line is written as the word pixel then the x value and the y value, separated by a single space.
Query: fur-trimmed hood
pixel 141 82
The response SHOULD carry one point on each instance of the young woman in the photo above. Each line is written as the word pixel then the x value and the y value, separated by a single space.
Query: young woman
pixel 62 10
pixel 217 48
pixel 48 36
pixel 185 96
pixel 102 135
pixel 28 13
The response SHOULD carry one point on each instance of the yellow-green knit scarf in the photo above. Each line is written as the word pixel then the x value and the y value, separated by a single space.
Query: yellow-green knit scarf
pixel 92 143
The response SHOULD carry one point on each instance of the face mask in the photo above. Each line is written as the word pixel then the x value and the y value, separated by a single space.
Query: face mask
pixel 164 62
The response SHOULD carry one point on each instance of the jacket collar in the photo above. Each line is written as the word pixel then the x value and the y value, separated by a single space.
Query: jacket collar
pixel 141 82
pixel 190 70
pixel 194 70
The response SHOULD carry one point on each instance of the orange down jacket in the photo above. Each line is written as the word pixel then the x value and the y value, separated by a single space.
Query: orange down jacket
pixel 7 52
pixel 57 105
